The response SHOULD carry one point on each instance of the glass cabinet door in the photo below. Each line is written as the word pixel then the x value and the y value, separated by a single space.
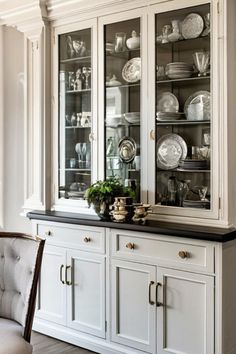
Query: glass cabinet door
pixel 122 102
pixel 183 107
pixel 75 113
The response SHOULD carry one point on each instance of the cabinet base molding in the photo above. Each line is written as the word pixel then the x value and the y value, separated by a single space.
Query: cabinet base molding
pixel 80 339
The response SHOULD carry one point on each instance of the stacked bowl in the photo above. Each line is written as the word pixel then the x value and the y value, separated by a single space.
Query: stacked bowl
pixel 179 70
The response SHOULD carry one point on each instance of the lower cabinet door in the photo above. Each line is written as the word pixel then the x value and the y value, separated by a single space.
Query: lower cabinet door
pixel 51 300
pixel 185 317
pixel 133 307
pixel 86 292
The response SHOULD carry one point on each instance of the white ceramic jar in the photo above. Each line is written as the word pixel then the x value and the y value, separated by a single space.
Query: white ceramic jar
pixel 134 41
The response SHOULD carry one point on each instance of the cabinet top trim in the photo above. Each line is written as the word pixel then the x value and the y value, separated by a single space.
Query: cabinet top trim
pixel 205 233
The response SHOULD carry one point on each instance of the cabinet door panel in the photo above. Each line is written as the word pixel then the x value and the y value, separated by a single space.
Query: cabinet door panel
pixel 133 318
pixel 185 322
pixel 86 295
pixel 51 304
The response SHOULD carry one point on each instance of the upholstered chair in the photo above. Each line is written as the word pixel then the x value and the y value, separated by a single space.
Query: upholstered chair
pixel 20 262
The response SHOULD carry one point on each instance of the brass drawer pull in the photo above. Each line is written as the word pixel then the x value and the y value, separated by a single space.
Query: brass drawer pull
pixel 68 282
pixel 87 239
pixel 183 254
pixel 158 304
pixel 61 269
pixel 149 293
pixel 130 246
pixel 48 233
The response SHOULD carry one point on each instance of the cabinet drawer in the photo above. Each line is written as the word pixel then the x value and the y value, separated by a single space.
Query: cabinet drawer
pixel 73 236
pixel 159 249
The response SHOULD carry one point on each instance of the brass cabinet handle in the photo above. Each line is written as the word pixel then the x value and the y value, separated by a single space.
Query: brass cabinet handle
pixel 152 134
pixel 149 293
pixel 91 137
pixel 68 282
pixel 61 269
pixel 183 254
pixel 87 239
pixel 130 246
pixel 158 304
pixel 48 233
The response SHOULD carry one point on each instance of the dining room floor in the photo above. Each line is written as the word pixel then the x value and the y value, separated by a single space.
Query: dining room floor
pixel 46 345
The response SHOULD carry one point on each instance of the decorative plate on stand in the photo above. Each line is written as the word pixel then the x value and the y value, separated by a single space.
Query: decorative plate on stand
pixel 131 72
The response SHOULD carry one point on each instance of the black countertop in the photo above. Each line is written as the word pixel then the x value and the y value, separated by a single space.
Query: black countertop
pixel 152 226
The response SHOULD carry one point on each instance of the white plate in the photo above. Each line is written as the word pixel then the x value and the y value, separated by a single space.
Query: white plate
pixel 167 102
pixel 198 106
pixel 131 72
pixel 171 148
pixel 192 26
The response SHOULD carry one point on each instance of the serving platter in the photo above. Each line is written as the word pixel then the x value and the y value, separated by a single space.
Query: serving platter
pixel 171 148
pixel 127 149
pixel 192 26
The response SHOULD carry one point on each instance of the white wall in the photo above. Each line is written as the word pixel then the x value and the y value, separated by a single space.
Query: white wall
pixel 13 141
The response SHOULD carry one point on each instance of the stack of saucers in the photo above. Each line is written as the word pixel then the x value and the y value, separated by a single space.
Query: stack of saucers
pixel 169 115
pixel 179 70
pixel 192 164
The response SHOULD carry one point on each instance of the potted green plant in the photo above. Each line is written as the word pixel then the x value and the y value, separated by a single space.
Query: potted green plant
pixel 102 195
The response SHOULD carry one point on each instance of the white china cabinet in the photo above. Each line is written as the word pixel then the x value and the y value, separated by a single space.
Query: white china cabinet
pixel 144 106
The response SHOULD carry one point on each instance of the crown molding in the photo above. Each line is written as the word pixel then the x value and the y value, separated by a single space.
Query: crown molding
pixel 27 16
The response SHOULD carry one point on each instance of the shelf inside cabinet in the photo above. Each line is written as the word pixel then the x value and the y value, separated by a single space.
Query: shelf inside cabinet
pixel 184 170
pixel 78 127
pixel 182 41
pixel 123 86
pixel 74 92
pixel 77 169
pixel 76 60
pixel 183 122
pixel 189 79
pixel 123 125
pixel 122 55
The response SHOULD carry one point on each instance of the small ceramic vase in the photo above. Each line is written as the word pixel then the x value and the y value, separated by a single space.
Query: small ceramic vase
pixel 175 35
pixel 134 41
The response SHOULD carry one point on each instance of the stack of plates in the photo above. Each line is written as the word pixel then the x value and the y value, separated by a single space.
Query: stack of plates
pixel 179 70
pixel 191 164
pixel 169 115
pixel 200 204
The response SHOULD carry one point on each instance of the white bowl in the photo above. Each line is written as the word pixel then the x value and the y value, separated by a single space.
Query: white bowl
pixel 114 120
pixel 132 117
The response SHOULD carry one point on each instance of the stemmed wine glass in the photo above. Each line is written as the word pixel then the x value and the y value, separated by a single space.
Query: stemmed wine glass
pixel 78 149
pixel 87 73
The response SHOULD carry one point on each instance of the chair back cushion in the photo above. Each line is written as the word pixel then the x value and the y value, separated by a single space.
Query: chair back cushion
pixel 18 263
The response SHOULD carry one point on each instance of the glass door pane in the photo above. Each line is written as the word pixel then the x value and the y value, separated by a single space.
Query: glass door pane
pixel 183 108
pixel 122 102
pixel 75 118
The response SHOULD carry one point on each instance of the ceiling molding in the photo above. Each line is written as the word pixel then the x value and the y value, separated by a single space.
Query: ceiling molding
pixel 27 16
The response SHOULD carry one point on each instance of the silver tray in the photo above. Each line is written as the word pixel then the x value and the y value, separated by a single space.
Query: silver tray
pixel 127 149
pixel 171 148
pixel 131 72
